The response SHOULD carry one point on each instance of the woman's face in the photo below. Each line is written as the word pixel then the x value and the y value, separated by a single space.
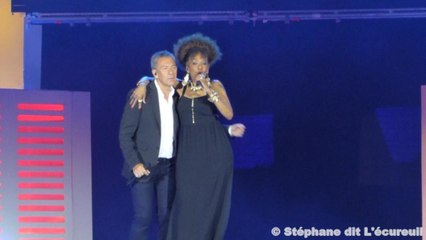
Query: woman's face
pixel 196 65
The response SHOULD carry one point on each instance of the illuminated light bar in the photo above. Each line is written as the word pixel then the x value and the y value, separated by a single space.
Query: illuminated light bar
pixel 32 151
pixel 42 219
pixel 41 230
pixel 40 118
pixel 41 107
pixel 40 129
pixel 252 16
pixel 41 238
pixel 30 140
pixel 41 197
pixel 30 174
pixel 41 163
pixel 41 208
pixel 42 185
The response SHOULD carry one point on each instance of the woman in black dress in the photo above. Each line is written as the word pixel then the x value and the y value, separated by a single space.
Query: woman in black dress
pixel 204 163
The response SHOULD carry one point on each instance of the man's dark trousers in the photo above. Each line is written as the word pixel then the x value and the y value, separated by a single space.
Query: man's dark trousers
pixel 158 185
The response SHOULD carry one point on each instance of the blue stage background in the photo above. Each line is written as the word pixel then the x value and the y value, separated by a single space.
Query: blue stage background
pixel 327 90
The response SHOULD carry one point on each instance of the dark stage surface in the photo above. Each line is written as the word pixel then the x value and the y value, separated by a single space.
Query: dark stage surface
pixel 343 98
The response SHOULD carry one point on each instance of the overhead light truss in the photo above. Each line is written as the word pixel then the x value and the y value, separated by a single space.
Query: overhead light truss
pixel 223 16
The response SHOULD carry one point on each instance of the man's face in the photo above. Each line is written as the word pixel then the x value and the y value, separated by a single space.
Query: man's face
pixel 165 71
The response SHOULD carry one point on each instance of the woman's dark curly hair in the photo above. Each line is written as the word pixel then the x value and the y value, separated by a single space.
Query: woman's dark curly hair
pixel 196 43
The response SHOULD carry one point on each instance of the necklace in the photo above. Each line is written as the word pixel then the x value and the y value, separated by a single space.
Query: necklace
pixel 192 111
pixel 195 87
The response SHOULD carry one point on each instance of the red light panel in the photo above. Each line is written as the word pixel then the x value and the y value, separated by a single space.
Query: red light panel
pixel 34 151
pixel 40 163
pixel 41 230
pixel 40 118
pixel 42 185
pixel 40 129
pixel 30 140
pixel 42 219
pixel 39 187
pixel 41 238
pixel 41 208
pixel 41 197
pixel 41 107
pixel 29 174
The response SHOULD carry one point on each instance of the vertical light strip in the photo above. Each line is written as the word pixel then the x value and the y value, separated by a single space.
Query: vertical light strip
pixel 423 156
pixel 1 170
pixel 41 179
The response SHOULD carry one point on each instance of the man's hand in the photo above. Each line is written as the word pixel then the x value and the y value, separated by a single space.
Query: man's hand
pixel 237 130
pixel 139 170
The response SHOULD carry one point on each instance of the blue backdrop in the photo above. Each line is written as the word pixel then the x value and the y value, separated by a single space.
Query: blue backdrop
pixel 322 100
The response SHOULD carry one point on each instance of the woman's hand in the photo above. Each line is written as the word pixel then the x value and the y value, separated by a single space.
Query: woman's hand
pixel 205 82
pixel 237 130
pixel 138 96
pixel 218 96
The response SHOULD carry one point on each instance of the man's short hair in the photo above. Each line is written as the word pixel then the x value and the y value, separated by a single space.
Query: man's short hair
pixel 159 54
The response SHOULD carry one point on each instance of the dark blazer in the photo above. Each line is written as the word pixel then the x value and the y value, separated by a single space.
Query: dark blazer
pixel 140 132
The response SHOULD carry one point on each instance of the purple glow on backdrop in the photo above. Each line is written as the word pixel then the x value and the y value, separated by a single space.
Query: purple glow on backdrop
pixel 400 129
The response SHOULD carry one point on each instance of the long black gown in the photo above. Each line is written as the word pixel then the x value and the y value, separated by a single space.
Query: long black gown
pixel 204 167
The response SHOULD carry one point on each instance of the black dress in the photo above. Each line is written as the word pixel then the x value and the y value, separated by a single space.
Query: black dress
pixel 204 168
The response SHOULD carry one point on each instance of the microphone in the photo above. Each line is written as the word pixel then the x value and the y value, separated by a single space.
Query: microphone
pixel 197 85
pixel 202 76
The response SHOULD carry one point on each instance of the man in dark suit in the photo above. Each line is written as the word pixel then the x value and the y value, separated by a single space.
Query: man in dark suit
pixel 148 142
